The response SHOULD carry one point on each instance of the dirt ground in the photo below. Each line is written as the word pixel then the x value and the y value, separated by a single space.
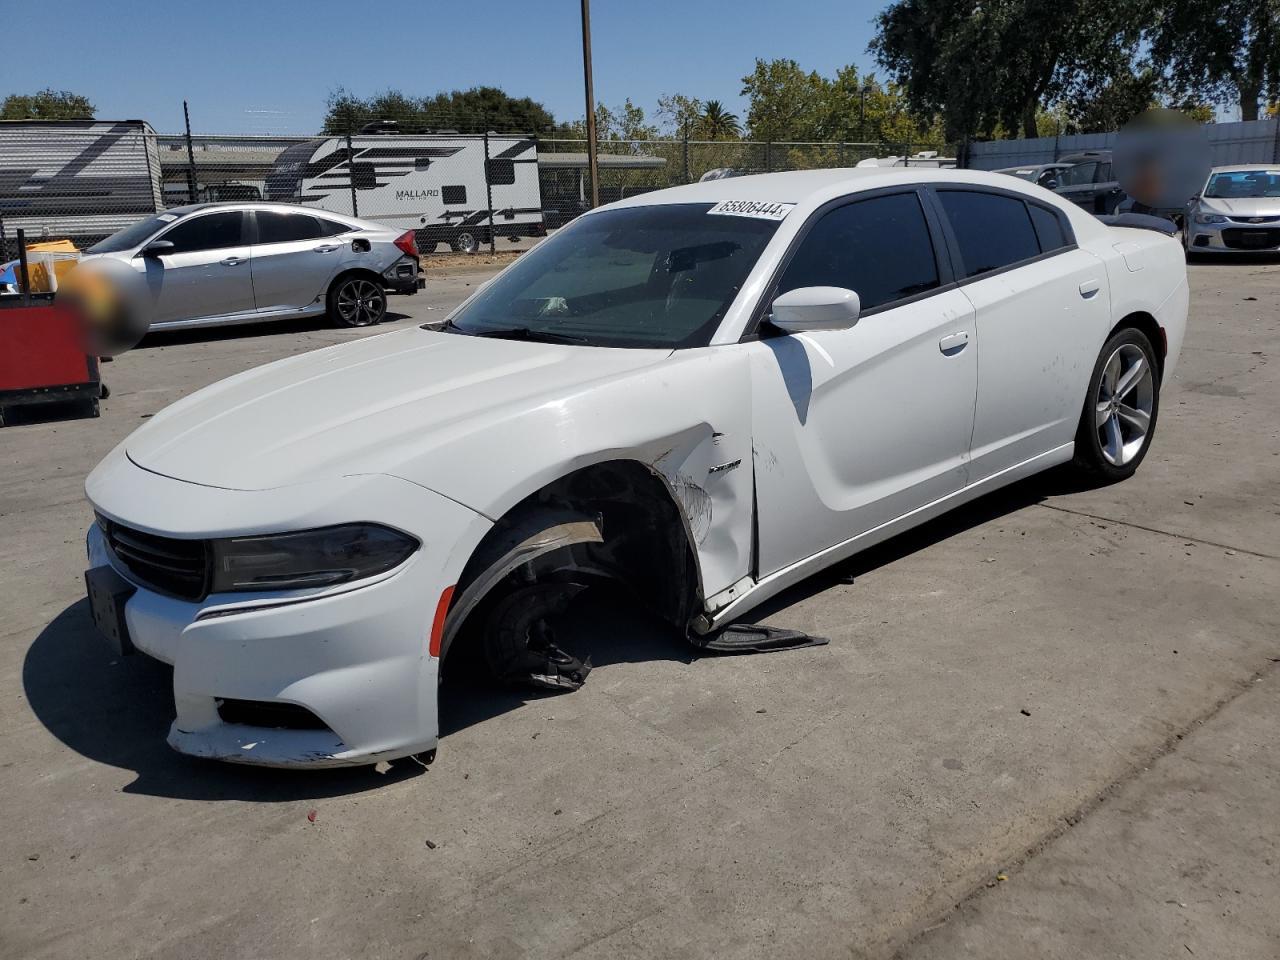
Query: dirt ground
pixel 1045 727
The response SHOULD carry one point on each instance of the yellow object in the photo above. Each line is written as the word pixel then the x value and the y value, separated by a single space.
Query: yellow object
pixel 58 256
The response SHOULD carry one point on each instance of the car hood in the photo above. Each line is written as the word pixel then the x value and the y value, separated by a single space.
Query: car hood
pixel 364 407
pixel 1242 207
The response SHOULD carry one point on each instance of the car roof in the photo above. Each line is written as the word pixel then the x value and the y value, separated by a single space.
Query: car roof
pixel 1245 167
pixel 267 205
pixel 801 186
pixel 1031 166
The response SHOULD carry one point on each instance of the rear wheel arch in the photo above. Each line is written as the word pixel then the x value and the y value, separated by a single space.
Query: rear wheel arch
pixel 1147 325
pixel 350 273
pixel 616 519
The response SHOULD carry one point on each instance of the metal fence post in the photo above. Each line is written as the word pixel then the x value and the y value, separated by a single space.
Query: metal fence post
pixel 841 161
pixel 686 152
pixel 191 156
pixel 351 171
pixel 768 162
pixel 488 191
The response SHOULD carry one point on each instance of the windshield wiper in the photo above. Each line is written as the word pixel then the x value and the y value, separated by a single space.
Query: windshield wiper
pixel 525 333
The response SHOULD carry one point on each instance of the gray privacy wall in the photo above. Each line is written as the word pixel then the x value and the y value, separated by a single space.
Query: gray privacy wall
pixel 1252 141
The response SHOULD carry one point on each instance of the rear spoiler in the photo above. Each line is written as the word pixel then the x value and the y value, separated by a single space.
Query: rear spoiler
pixel 1140 221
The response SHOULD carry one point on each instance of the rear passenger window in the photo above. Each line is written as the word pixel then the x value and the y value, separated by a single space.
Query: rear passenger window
pixel 879 248
pixel 331 228
pixel 1048 228
pixel 283 227
pixel 993 231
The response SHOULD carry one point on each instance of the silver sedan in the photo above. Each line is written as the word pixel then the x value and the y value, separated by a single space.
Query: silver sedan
pixel 221 263
pixel 1238 211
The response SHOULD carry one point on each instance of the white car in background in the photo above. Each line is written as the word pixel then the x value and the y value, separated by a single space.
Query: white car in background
pixel 1238 211
pixel 210 264
pixel 707 393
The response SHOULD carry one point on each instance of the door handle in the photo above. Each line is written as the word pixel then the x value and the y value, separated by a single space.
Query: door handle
pixel 233 261
pixel 326 248
pixel 1089 289
pixel 953 343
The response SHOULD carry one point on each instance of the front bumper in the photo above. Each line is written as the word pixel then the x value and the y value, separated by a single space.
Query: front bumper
pixel 1235 236
pixel 354 656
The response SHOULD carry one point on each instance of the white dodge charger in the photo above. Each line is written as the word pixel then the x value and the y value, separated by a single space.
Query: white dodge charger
pixel 706 394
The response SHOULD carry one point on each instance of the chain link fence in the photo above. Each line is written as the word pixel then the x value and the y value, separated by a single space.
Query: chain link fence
pixel 83 181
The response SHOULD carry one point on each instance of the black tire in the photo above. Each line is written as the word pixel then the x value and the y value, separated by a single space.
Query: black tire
pixel 465 241
pixel 1107 450
pixel 357 300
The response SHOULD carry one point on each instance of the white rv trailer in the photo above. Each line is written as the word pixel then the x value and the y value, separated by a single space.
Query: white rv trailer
pixel 80 180
pixel 434 185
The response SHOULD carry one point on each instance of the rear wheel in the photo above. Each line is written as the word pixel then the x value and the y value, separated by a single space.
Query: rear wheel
pixel 357 301
pixel 1119 416
pixel 464 241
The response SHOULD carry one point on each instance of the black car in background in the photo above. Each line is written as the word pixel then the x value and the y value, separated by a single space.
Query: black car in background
pixel 1090 183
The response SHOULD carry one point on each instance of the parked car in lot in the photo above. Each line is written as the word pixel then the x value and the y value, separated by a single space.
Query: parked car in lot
pixel 1237 211
pixel 1089 182
pixel 1043 174
pixel 706 393
pixel 221 263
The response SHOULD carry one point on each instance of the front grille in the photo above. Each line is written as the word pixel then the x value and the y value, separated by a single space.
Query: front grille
pixel 1275 219
pixel 179 568
pixel 267 713
pixel 1244 239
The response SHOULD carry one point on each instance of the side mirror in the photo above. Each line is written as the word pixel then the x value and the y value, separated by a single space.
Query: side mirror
pixel 1051 184
pixel 816 308
pixel 157 248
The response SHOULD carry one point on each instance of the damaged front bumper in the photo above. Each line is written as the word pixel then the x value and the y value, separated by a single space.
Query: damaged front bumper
pixel 331 677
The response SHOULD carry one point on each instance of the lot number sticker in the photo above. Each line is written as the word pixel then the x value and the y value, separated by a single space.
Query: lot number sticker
pixel 751 208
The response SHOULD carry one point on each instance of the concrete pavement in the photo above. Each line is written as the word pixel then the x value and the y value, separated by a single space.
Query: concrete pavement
pixel 1016 688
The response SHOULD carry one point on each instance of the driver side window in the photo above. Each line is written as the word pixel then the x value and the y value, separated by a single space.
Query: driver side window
pixel 879 248
pixel 212 231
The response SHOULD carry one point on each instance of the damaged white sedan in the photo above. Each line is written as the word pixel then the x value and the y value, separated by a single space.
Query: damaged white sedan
pixel 706 393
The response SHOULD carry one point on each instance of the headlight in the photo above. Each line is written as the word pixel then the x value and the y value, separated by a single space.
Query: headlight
pixel 1210 218
pixel 310 558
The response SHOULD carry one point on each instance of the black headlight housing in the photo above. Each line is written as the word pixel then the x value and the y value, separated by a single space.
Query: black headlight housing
pixel 307 558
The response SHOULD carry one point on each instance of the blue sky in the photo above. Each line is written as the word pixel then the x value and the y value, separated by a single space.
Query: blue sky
pixel 267 67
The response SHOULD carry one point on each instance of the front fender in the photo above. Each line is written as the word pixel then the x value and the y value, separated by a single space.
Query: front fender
pixel 687 419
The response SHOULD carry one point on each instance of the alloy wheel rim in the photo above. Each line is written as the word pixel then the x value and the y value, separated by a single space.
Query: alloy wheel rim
pixel 360 302
pixel 1123 406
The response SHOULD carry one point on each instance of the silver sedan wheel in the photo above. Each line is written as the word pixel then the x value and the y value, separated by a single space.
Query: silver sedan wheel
pixel 1122 409
pixel 360 302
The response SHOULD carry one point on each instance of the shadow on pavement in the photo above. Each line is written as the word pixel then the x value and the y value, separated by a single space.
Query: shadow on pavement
pixel 245 331
pixel 117 710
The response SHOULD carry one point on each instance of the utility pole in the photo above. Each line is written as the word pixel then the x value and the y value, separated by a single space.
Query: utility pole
pixel 191 156
pixel 591 104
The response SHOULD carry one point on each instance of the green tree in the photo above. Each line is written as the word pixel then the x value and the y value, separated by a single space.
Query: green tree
pixel 1224 50
pixel 785 102
pixel 717 123
pixel 478 110
pixel 48 104
pixel 679 115
pixel 996 63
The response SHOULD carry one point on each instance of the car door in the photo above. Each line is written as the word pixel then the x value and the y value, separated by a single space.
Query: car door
pixel 1042 307
pixel 1076 183
pixel 206 273
pixel 854 428
pixel 295 255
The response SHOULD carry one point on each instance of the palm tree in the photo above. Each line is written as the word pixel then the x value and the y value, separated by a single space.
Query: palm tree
pixel 717 123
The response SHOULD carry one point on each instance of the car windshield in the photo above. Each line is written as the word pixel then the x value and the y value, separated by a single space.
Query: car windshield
pixel 1243 184
pixel 132 236
pixel 654 276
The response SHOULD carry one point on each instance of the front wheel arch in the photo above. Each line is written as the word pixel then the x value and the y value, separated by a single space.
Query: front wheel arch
pixel 641 540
